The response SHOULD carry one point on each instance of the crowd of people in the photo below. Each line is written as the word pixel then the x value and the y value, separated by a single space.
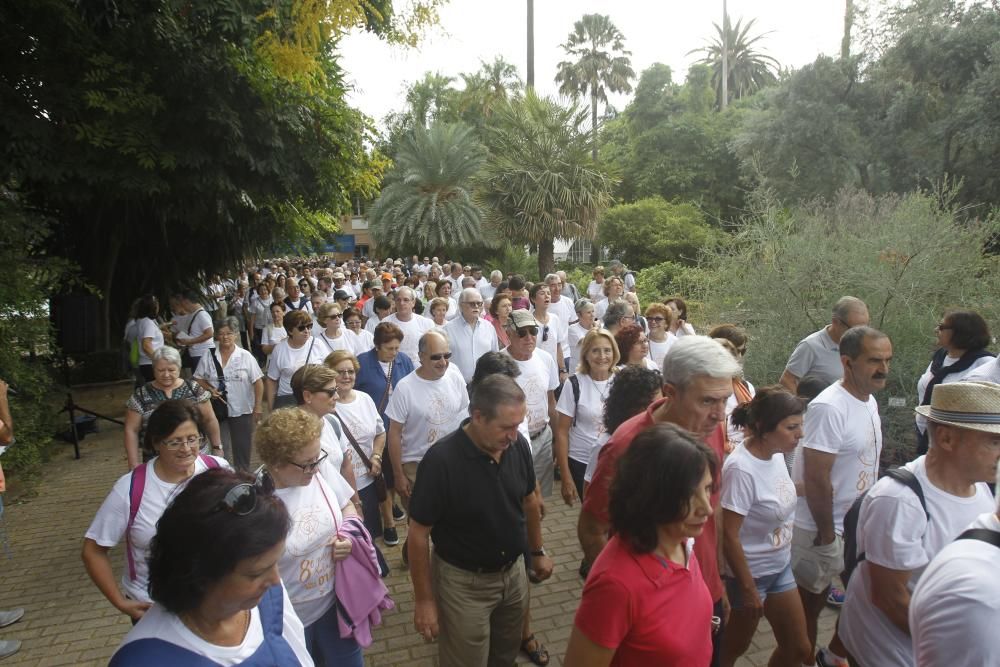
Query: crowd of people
pixel 373 392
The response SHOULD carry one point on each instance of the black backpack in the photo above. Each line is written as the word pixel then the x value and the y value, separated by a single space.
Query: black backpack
pixel 851 556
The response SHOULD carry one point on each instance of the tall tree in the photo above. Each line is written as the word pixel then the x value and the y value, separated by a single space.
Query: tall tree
pixel 487 89
pixel 749 69
pixel 541 182
pixel 601 64
pixel 426 204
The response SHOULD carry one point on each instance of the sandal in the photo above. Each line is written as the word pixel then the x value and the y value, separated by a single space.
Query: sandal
pixel 540 656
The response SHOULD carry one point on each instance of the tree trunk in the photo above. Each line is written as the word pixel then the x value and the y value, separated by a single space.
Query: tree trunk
pixel 595 251
pixel 530 80
pixel 724 102
pixel 546 258
pixel 110 266
pixel 845 42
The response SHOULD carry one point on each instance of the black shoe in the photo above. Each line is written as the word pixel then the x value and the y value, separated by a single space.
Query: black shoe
pixel 397 513
pixel 390 537
pixel 584 569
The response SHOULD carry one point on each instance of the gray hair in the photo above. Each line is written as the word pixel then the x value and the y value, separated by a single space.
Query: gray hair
pixel 465 294
pixel 230 323
pixel 615 312
pixel 167 354
pixel 422 343
pixel 409 290
pixel 496 274
pixel 582 304
pixel 492 392
pixel 852 343
pixel 552 277
pixel 692 356
pixel 846 305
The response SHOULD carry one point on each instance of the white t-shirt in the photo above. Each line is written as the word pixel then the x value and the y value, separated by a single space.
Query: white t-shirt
pixel 108 526
pixel 240 373
pixel 988 372
pixel 261 309
pixel 550 334
pixel 158 623
pixel 373 321
pixel 326 345
pixel 838 423
pixel 306 567
pixel 589 412
pixel 763 493
pixel 600 308
pixel 538 377
pixel 487 291
pixel 363 341
pixel 285 360
pixel 659 350
pixel 893 531
pixel 564 310
pixel 595 291
pixel 412 330
pixel 365 423
pixel 588 475
pixel 272 335
pixel 574 336
pixel 336 446
pixel 428 410
pixel 147 328
pixel 468 343
pixel 955 609
pixel 735 433
pixel 200 322
pixel 925 380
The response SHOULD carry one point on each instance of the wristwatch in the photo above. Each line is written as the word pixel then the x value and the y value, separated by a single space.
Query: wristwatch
pixel 539 552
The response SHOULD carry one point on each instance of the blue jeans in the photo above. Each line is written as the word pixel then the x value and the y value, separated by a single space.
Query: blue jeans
pixel 327 648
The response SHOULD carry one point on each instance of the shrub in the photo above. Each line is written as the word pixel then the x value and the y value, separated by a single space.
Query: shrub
pixel 653 230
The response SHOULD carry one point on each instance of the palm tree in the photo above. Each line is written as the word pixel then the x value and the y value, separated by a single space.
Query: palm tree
pixel 426 204
pixel 541 182
pixel 749 70
pixel 428 97
pixel 488 88
pixel 601 66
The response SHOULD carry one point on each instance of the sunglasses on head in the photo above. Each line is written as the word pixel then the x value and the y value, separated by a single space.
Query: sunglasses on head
pixel 527 331
pixel 440 356
pixel 242 498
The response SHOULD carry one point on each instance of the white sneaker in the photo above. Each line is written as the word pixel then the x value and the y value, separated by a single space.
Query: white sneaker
pixel 9 647
pixel 12 616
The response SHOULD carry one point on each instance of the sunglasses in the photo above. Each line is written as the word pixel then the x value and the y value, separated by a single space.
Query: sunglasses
pixel 440 356
pixel 527 331
pixel 242 498
pixel 334 316
pixel 304 327
pixel 310 468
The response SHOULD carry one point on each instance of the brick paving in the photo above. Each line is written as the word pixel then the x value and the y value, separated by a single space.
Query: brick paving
pixel 68 622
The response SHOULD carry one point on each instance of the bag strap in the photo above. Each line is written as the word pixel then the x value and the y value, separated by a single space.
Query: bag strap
pixel 220 374
pixel 388 386
pixel 908 479
pixel 981 534
pixel 354 443
pixel 136 485
pixel 209 462
pixel 574 382
pixel 193 318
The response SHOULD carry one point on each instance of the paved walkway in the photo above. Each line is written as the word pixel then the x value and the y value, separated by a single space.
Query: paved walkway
pixel 68 622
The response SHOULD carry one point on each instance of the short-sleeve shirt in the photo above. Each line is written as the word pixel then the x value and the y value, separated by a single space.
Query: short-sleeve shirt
pixel 147 328
pixel 552 334
pixel 109 524
pixel 474 505
pixel 240 374
pixel 285 360
pixel 955 609
pixel 595 501
pixel 588 427
pixel 365 424
pixel 894 532
pixel 199 323
pixel 147 398
pixel 538 377
pixel 838 423
pixel 763 493
pixel 412 330
pixel 428 410
pixel 818 355
pixel 651 611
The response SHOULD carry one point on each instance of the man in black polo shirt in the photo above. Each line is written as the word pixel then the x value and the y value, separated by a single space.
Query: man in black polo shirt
pixel 474 492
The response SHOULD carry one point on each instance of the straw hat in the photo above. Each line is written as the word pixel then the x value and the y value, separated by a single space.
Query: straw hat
pixel 971 405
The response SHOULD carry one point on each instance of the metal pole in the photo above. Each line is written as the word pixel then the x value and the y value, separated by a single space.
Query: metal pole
pixel 531 44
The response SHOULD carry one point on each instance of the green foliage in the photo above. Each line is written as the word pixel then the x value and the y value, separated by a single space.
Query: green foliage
pixel 426 205
pixel 667 279
pixel 32 277
pixel 909 258
pixel 653 230
pixel 749 70
pixel 540 182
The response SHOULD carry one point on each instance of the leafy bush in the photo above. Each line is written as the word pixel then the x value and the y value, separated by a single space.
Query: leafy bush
pixel 653 230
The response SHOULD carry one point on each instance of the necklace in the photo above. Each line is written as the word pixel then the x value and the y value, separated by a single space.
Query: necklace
pixel 602 394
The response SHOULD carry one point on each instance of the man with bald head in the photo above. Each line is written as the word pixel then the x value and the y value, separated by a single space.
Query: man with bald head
pixel 818 354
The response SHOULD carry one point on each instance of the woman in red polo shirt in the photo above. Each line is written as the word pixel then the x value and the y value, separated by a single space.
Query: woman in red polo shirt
pixel 645 602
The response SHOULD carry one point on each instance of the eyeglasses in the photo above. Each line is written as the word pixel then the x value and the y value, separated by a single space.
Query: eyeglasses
pixel 656 318
pixel 242 498
pixel 329 392
pixel 304 327
pixel 474 304
pixel 190 441
pixel 440 356
pixel 527 331
pixel 347 373
pixel 310 468
pixel 630 318
pixel 353 323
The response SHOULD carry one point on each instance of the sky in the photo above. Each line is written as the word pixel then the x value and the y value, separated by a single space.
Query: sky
pixel 655 31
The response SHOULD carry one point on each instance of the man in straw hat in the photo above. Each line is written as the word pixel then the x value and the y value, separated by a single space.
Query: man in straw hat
pixel 899 538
